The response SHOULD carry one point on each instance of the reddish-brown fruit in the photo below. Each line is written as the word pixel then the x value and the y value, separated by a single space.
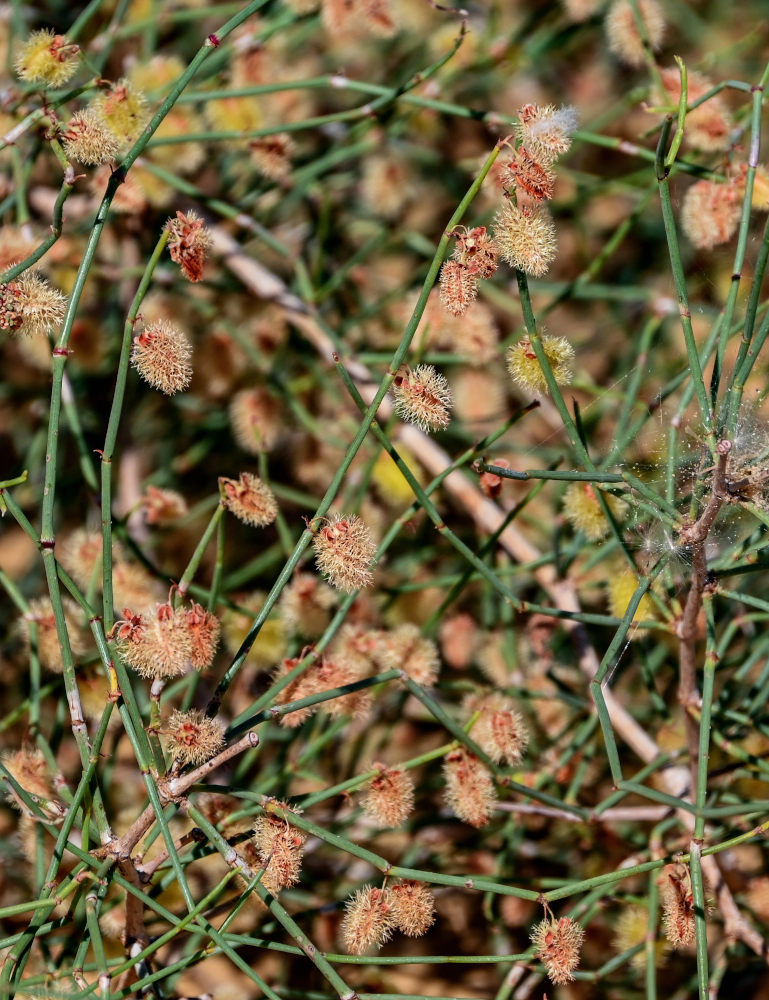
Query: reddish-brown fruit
pixel 204 628
pixel 476 250
pixel 330 673
pixel 408 650
pixel 306 604
pixel 677 906
pixel 490 482
pixel 188 243
pixel 458 287
pixel 534 181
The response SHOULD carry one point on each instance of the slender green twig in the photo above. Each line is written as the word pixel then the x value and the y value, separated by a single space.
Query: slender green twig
pixel 663 180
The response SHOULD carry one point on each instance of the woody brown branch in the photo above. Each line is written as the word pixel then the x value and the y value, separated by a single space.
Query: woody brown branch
pixel 172 790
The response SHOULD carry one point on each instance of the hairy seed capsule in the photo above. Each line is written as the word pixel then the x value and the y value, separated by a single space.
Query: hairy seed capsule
pixel 46 58
pixel 524 367
pixel 469 787
pixel 631 929
pixel 534 181
pixel 546 131
pixel 583 509
pixel 390 797
pixel 368 920
pixel 407 649
pixel 124 111
pixel 250 500
pixel 162 507
pixel 256 420
pixel 622 31
pixel 500 731
pixel 422 397
pixel 188 243
pixel 204 628
pixel 355 19
pixel 708 127
pixel 40 618
pixel 157 644
pixel 29 305
pixel 526 238
pixel 344 550
pixel 413 907
pixel 558 944
pixel 279 848
pixel 459 637
pixel 88 140
pixel 272 155
pixel 677 906
pixel 331 672
pixel 710 213
pixel 305 605
pixel 476 250
pixel 161 355
pixel 459 287
pixel 193 737
pixel 580 10
pixel 621 586
pixel 29 768
pixel 80 554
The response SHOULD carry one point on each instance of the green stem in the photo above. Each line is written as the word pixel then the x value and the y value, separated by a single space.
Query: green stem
pixel 110 440
pixel 663 180
pixel 192 567
pixel 742 245
pixel 56 230
pixel 232 858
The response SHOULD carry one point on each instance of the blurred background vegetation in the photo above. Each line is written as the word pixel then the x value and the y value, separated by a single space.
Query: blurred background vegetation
pixel 327 148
